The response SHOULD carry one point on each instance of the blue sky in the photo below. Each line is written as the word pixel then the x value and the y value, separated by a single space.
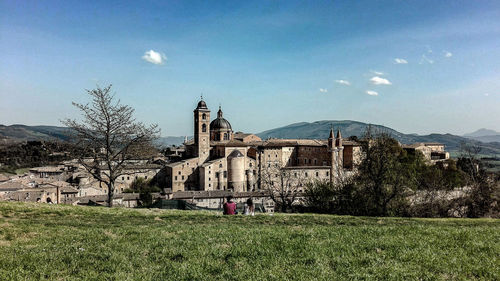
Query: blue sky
pixel 415 66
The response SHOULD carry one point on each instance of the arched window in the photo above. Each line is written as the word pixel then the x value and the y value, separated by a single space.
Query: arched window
pixel 204 128
pixel 204 116
pixel 226 137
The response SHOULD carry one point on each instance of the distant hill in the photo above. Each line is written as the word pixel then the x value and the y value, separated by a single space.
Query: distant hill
pixel 169 141
pixel 482 133
pixel 320 130
pixel 52 133
pixel 493 138
pixel 314 130
pixel 23 133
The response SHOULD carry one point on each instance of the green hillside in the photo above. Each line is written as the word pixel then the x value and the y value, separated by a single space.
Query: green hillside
pixel 42 133
pixel 49 242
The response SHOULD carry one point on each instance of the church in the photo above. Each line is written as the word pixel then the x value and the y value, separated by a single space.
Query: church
pixel 219 159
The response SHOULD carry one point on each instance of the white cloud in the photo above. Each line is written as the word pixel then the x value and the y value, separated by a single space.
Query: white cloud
pixel 376 72
pixel 486 94
pixel 154 57
pixel 400 61
pixel 426 59
pixel 371 93
pixel 323 90
pixel 380 81
pixel 343 82
pixel 448 54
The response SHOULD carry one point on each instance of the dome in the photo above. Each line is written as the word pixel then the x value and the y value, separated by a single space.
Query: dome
pixel 235 154
pixel 220 122
pixel 202 105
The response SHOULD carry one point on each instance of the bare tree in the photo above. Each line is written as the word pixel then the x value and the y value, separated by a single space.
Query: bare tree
pixel 109 135
pixel 284 185
pixel 483 188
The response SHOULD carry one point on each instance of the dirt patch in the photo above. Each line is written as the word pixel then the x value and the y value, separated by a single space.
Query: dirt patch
pixel 110 234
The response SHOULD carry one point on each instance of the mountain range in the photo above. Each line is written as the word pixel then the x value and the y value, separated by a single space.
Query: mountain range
pixel 320 130
pixel 305 130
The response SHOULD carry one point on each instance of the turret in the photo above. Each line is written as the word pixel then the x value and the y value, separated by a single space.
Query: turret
pixel 332 150
pixel 338 141
pixel 331 139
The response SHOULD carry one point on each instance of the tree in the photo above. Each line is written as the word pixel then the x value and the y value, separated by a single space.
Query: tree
pixel 109 135
pixel 386 176
pixel 283 185
pixel 483 189
pixel 144 188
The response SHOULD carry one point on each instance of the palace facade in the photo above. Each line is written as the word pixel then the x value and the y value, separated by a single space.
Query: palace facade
pixel 219 159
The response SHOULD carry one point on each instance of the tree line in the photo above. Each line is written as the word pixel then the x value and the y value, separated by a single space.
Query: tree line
pixel 394 182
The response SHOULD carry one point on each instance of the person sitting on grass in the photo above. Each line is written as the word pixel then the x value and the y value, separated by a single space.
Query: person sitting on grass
pixel 229 206
pixel 250 208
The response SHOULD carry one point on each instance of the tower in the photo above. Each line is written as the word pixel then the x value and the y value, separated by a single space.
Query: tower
pixel 332 150
pixel 340 154
pixel 202 131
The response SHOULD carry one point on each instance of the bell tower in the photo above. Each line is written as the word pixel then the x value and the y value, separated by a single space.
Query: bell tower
pixel 202 131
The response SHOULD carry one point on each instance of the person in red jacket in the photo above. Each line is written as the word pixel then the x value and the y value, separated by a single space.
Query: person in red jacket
pixel 229 206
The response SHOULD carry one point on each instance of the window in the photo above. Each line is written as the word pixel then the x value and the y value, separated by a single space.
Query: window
pixel 315 161
pixel 295 174
pixel 220 165
pixel 123 178
pixel 317 174
pixel 306 174
pixel 209 185
pixel 225 174
pixel 179 172
pixel 309 161
pixel 209 179
pixel 204 128
pixel 145 177
pixel 209 172
pixel 182 177
pixel 327 174
pixel 175 177
pixel 250 165
pixel 128 178
pixel 203 116
pixel 226 136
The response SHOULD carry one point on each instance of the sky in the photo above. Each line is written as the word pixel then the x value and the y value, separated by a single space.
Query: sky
pixel 415 66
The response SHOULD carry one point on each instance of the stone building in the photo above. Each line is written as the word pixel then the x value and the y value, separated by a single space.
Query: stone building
pixel 219 159
pixel 433 152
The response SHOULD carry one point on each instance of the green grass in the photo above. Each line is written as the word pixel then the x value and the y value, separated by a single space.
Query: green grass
pixel 68 243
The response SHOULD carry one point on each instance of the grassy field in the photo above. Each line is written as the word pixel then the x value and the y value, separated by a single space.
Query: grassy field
pixel 68 243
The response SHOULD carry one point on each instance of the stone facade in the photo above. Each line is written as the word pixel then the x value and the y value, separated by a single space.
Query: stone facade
pixel 218 159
